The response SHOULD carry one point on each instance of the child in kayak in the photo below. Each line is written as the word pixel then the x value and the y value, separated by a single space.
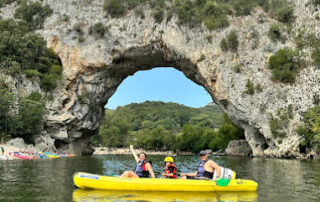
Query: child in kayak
pixel 143 169
pixel 170 170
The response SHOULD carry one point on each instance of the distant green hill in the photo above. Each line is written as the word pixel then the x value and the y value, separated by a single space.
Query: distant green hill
pixel 163 126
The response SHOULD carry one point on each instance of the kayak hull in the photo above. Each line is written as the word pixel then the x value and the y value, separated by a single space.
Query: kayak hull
pixel 90 181
pixel 21 156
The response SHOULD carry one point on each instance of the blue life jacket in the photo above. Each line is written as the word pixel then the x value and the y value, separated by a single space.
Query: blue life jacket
pixel 141 170
pixel 200 169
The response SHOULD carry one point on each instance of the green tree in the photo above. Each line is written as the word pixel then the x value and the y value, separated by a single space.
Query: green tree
pixel 29 121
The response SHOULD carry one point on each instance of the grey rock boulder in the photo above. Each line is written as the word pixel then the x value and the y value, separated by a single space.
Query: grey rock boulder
pixel 238 148
pixel 17 142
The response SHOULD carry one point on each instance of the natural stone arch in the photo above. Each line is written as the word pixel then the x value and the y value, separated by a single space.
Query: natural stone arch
pixel 93 69
pixel 88 90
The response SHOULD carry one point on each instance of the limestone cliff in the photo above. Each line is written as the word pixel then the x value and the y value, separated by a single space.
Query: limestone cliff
pixel 93 68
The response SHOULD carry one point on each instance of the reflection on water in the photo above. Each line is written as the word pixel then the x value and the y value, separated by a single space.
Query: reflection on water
pixel 100 195
pixel 51 179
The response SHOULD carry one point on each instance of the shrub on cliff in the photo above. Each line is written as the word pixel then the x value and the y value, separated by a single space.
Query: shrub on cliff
pixel 285 65
pixel 314 2
pixel 115 8
pixel 33 13
pixel 286 15
pixel 6 2
pixel 230 43
pixel 279 124
pixel 276 33
pixel 249 87
pixel 310 129
pixel 243 7
pixel 98 29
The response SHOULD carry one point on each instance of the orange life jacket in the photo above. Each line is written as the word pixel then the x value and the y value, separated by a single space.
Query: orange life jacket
pixel 167 171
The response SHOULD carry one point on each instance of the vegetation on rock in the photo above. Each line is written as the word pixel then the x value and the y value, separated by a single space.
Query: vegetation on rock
pixel 213 13
pixel 276 33
pixel 24 120
pixel 279 124
pixel 310 129
pixel 230 43
pixel 285 65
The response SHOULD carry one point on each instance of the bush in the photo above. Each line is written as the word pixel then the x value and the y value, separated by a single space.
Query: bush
pixel 316 99
pixel 56 69
pixel 115 8
pixel 249 87
pixel 275 33
pixel 33 13
pixel 285 15
pixel 35 97
pixel 237 68
pixel 224 45
pixel 279 125
pixel 6 2
pixel 158 14
pixel 314 2
pixel 285 65
pixel 49 82
pixel 232 41
pixel 259 88
pixel 31 73
pixel 98 29
pixel 310 129
pixel 243 7
pixel 216 22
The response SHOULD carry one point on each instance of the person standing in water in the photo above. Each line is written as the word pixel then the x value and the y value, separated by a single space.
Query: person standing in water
pixel 143 169
pixel 205 169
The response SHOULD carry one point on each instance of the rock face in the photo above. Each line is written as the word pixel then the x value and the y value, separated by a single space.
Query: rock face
pixel 17 142
pixel 238 148
pixel 95 67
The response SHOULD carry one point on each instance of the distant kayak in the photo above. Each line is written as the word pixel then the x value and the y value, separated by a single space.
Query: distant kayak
pixel 91 181
pixel 42 156
pixel 50 155
pixel 22 156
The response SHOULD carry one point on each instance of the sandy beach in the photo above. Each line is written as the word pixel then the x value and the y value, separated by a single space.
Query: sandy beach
pixel 8 148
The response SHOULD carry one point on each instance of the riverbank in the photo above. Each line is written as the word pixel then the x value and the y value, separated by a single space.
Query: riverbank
pixel 118 151
pixel 106 150
pixel 7 149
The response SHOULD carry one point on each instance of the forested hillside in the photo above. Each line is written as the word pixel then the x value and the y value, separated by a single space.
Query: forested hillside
pixel 167 126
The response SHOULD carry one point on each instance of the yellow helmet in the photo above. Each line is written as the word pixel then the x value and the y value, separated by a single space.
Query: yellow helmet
pixel 168 159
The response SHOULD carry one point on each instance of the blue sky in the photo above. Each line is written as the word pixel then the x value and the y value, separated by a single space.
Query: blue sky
pixel 159 84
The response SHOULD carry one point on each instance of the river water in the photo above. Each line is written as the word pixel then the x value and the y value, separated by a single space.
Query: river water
pixel 51 179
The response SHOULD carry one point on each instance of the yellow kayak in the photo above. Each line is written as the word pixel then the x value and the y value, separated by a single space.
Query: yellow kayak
pixel 103 196
pixel 52 156
pixel 91 181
